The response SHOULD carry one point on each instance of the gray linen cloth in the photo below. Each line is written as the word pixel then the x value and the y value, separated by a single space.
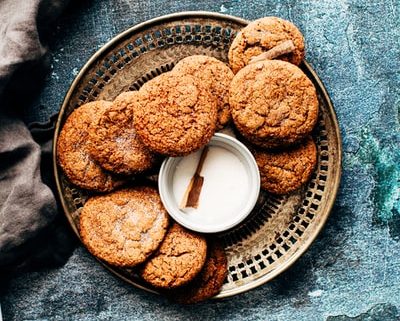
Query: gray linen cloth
pixel 32 232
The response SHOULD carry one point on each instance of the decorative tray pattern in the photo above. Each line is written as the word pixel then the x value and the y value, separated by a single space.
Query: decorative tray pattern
pixel 280 228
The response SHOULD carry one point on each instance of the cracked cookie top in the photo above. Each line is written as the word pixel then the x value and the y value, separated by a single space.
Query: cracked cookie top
pixel 178 260
pixel 273 103
pixel 176 115
pixel 73 150
pixel 124 227
pixel 262 35
pixel 113 140
pixel 215 76
pixel 285 171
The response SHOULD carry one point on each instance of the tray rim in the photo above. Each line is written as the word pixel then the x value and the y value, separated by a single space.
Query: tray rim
pixel 200 14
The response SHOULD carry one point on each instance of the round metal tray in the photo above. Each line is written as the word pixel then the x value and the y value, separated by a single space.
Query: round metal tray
pixel 280 228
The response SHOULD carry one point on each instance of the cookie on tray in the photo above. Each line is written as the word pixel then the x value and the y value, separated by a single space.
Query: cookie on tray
pixel 113 140
pixel 262 35
pixel 283 171
pixel 178 260
pixel 216 77
pixel 273 103
pixel 124 227
pixel 209 281
pixel 73 150
pixel 176 115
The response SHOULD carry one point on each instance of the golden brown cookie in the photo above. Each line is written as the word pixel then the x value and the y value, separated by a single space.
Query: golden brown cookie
pixel 209 281
pixel 73 154
pixel 262 35
pixel 286 170
pixel 215 76
pixel 124 227
pixel 273 103
pixel 113 140
pixel 175 116
pixel 178 260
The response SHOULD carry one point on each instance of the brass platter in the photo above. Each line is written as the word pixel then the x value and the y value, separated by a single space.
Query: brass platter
pixel 280 228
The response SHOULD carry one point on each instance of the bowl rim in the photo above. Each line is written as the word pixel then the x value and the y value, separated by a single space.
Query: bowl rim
pixel 164 187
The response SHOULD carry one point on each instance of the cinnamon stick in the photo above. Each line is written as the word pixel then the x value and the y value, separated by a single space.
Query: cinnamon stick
pixel 192 193
pixel 281 49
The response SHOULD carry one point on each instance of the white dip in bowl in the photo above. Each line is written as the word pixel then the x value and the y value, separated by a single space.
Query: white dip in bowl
pixel 230 188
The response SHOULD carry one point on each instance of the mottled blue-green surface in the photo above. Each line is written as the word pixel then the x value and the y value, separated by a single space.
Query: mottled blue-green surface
pixel 352 271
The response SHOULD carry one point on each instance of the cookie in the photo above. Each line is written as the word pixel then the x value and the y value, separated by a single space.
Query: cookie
pixel 262 35
pixel 175 115
pixel 178 260
pixel 113 140
pixel 124 227
pixel 209 281
pixel 286 170
pixel 273 103
pixel 73 150
pixel 215 76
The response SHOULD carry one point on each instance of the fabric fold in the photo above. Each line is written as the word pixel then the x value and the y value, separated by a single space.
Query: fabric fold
pixel 32 231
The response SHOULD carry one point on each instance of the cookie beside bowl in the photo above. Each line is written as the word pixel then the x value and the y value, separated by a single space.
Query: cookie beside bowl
pixel 273 103
pixel 125 227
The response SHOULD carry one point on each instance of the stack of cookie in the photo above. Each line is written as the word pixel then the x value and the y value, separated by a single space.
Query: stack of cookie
pixel 274 104
pixel 103 145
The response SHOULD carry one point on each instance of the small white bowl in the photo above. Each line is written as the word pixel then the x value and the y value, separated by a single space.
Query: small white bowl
pixel 230 189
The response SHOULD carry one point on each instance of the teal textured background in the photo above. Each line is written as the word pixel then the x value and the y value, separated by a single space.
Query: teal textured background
pixel 352 271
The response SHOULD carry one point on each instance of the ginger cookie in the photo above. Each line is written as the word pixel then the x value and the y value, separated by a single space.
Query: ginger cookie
pixel 178 260
pixel 113 140
pixel 209 281
pixel 175 115
pixel 273 103
pixel 73 150
pixel 262 35
pixel 215 76
pixel 283 171
pixel 124 227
